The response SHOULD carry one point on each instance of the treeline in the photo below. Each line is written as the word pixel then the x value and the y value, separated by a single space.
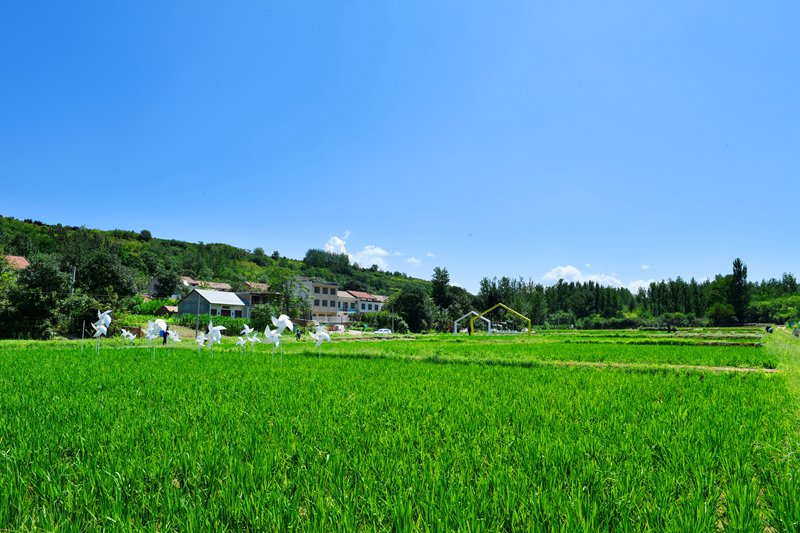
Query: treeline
pixel 726 300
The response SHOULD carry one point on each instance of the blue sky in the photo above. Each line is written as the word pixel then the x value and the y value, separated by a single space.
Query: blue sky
pixel 617 141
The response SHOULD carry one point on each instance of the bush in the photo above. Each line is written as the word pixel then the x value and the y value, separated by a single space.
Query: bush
pixel 561 318
pixel 261 316
pixel 74 310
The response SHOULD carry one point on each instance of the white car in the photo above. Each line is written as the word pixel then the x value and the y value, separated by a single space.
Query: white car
pixel 383 331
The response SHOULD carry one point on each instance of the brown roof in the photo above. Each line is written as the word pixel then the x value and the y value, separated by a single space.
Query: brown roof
pixel 189 281
pixel 255 286
pixel 215 285
pixel 362 295
pixel 17 262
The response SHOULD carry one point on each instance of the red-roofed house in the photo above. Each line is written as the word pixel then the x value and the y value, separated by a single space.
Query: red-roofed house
pixel 368 303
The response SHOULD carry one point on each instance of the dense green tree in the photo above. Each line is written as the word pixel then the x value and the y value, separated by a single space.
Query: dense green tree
pixel 168 279
pixel 415 306
pixel 35 299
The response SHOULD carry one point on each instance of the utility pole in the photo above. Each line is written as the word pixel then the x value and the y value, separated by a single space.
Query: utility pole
pixel 72 286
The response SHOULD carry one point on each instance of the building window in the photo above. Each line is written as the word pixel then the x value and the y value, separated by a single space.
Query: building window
pixel 363 306
pixel 213 312
pixel 333 291
pixel 353 306
pixel 237 313
pixel 316 290
pixel 316 303
pixel 324 290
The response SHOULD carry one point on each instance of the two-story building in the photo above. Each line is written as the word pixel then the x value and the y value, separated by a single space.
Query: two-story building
pixel 322 296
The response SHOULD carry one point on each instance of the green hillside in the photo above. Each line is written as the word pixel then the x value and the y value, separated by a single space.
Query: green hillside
pixel 130 260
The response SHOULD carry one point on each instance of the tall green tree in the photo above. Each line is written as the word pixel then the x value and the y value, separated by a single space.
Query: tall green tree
pixel 739 290
pixel 440 288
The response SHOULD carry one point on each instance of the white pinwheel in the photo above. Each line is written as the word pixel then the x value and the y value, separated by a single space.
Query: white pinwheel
pixel 253 340
pixel 101 327
pixel 103 318
pixel 247 330
pixel 320 336
pixel 274 338
pixel 282 323
pixel 214 335
pixel 200 340
pixel 128 336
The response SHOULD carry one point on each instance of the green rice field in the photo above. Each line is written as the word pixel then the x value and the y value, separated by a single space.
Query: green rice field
pixel 561 431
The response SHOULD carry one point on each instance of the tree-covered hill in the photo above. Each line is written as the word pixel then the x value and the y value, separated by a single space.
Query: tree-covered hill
pixel 123 262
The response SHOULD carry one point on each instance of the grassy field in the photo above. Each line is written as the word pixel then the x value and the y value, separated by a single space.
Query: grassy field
pixel 406 434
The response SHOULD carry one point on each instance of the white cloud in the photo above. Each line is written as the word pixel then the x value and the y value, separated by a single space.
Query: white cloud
pixel 571 273
pixel 634 286
pixel 336 245
pixel 414 261
pixel 588 265
pixel 371 255
pixel 429 254
pixel 646 267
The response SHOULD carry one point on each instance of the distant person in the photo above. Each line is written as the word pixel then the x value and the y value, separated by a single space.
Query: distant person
pixel 164 335
pixel 297 334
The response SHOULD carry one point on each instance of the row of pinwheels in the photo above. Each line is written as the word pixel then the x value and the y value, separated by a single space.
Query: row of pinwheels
pixel 158 328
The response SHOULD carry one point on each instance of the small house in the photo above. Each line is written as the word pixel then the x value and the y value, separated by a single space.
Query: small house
pixel 214 303
pixel 167 310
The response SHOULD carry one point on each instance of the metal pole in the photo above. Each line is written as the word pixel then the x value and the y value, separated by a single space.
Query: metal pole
pixel 83 330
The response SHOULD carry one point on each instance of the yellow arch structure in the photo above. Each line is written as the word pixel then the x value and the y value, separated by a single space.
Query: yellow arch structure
pixel 507 308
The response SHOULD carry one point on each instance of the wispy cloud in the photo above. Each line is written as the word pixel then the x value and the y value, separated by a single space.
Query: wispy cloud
pixel 429 254
pixel 645 267
pixel 413 261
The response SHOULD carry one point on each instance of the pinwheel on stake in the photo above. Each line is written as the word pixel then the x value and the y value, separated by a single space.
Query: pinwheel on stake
pixel 274 338
pixel 101 327
pixel 320 336
pixel 128 336
pixel 214 335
